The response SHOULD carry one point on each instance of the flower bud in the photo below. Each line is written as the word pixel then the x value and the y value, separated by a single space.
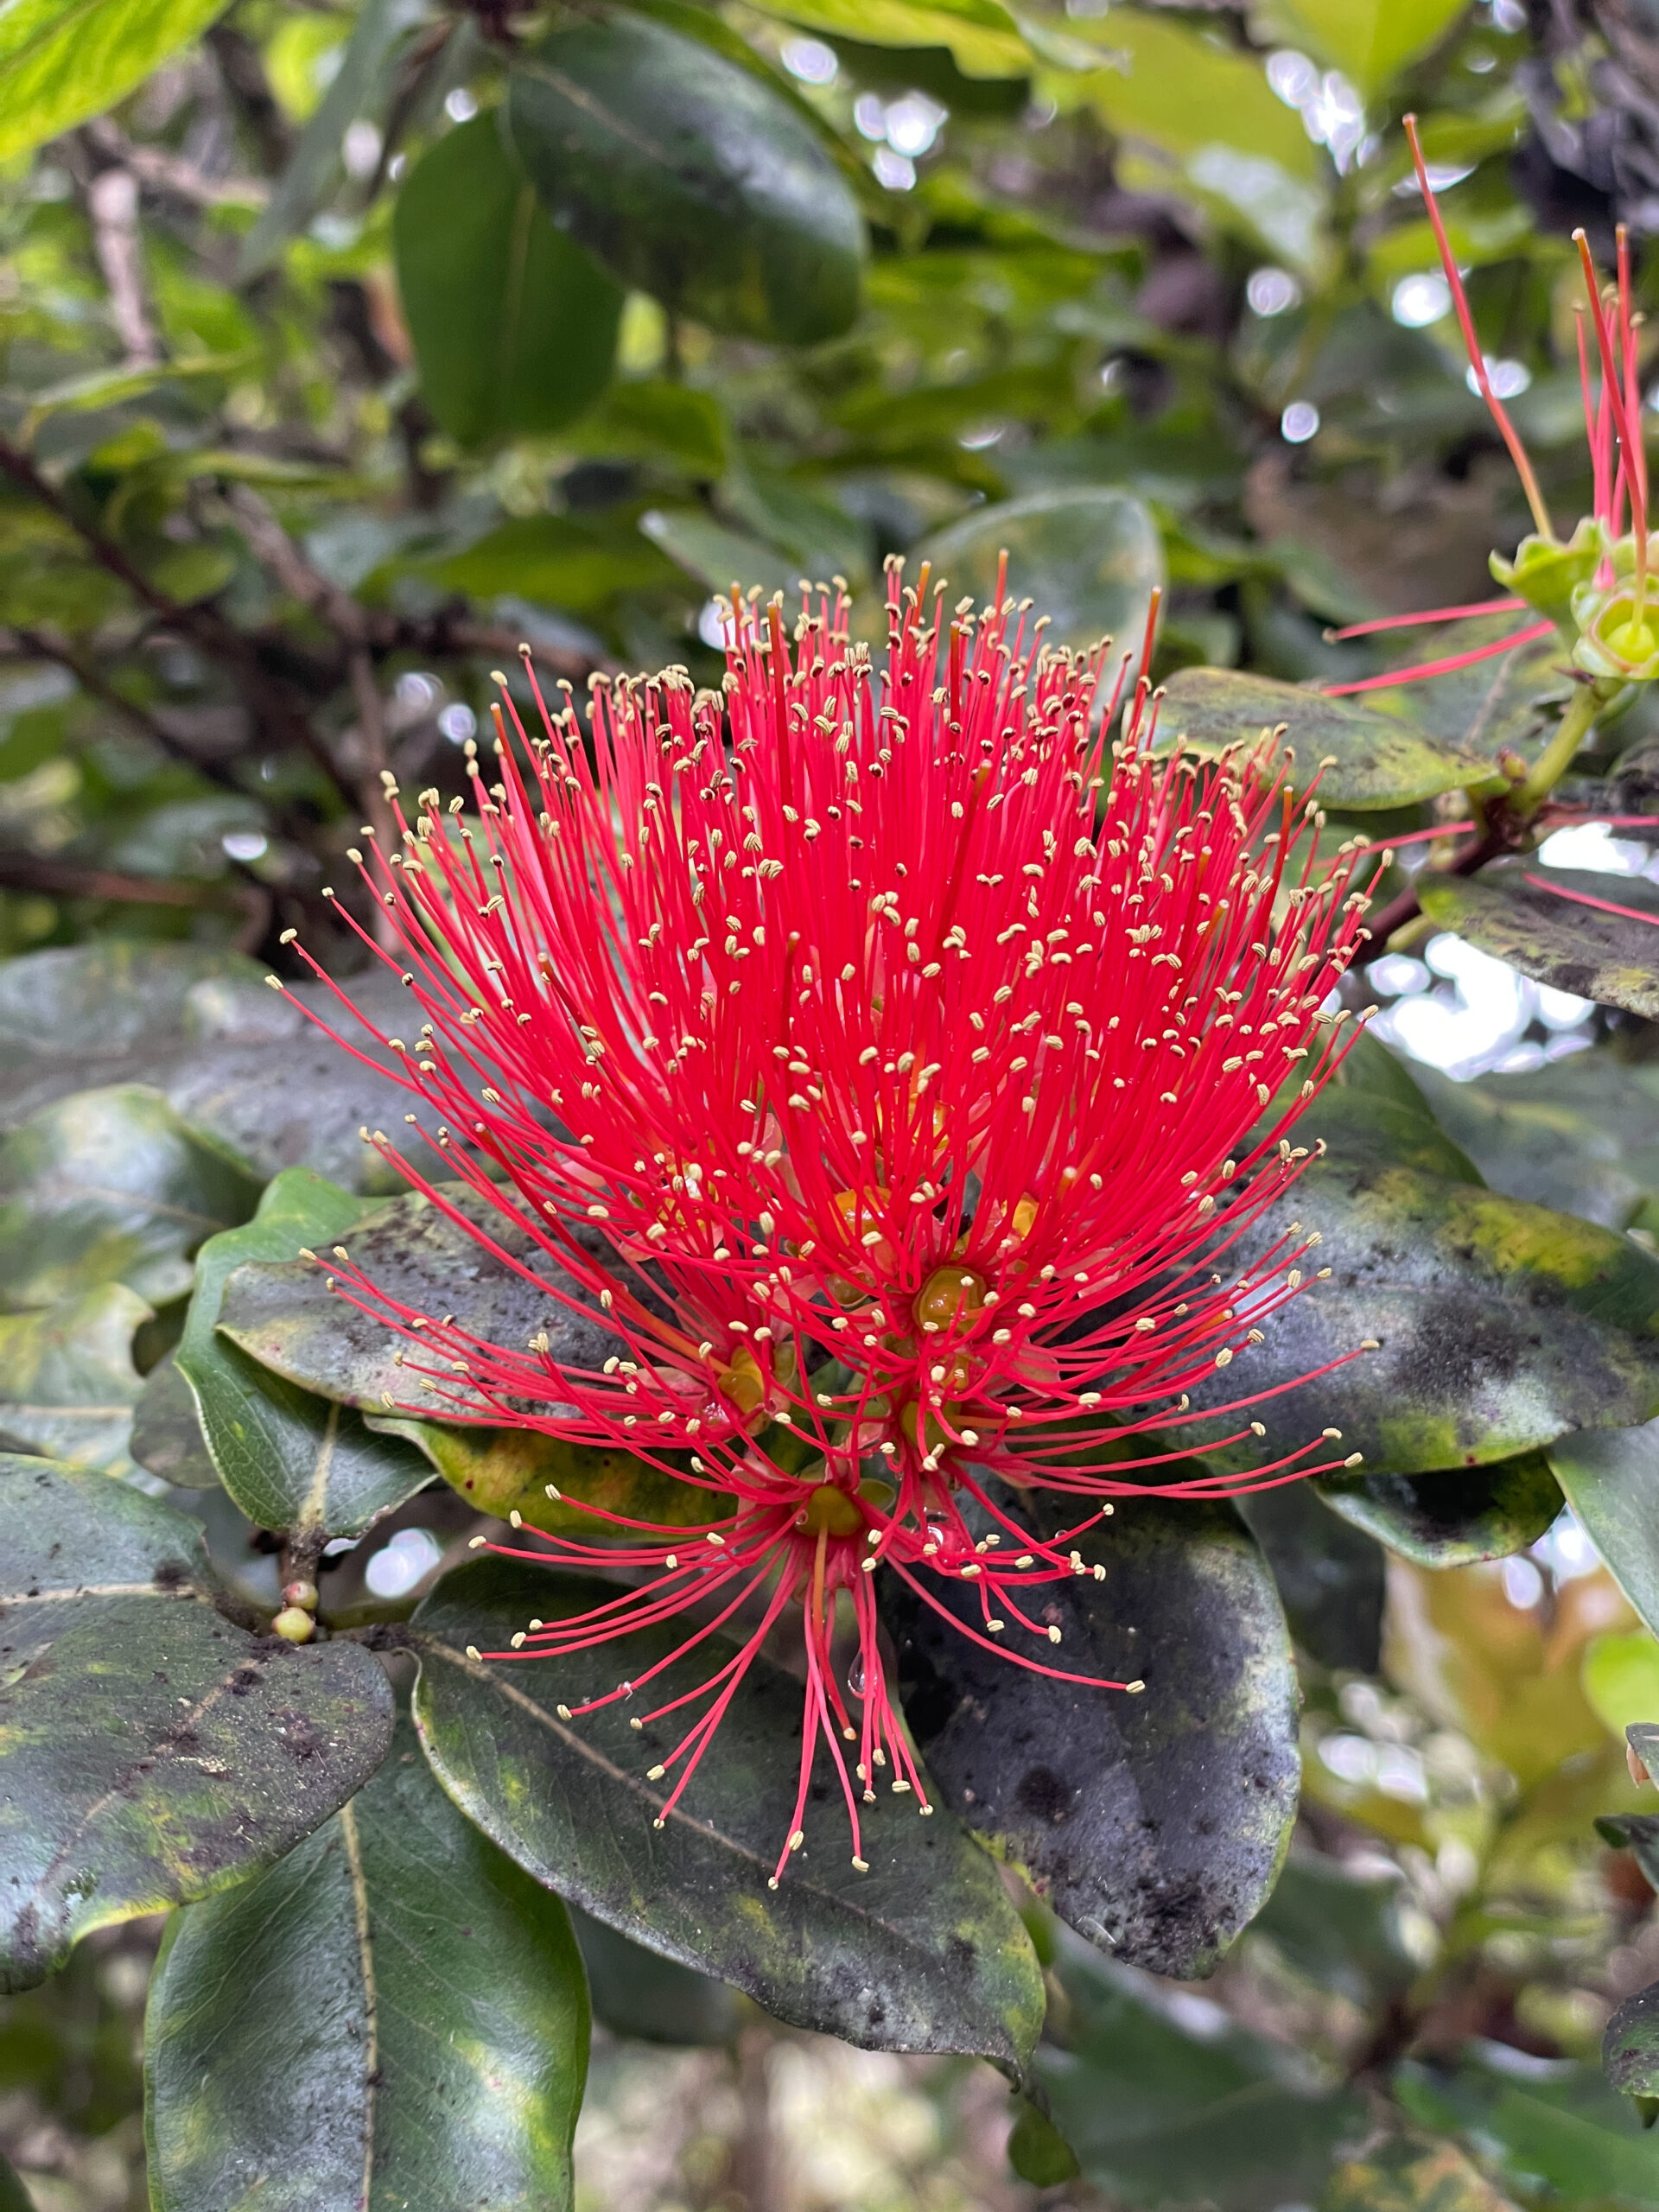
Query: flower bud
pixel 303 1594
pixel 294 1624
pixel 1547 574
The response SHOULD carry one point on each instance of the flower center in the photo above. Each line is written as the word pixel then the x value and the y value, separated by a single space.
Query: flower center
pixel 948 1293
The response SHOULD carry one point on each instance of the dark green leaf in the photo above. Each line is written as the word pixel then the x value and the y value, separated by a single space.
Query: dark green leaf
pixel 1630 2049
pixel 1159 2116
pixel 1153 1824
pixel 1540 2122
pixel 1634 1832
pixel 922 1953
pixel 111 1186
pixel 659 422
pixel 689 179
pixel 638 1992
pixel 1375 761
pixel 1370 1123
pixel 233 1057
pixel 68 1384
pixel 1037 2151
pixel 1501 1325
pixel 557 560
pixel 719 557
pixel 361 87
pixel 1338 1926
pixel 514 326
pixel 503 1470
pixel 62 61
pixel 1453 1515
pixel 150 1752
pixel 167 1438
pixel 1518 911
pixel 13 2197
pixel 291 1322
pixel 1610 1477
pixel 418 2032
pixel 1090 558
pixel 290 1459
pixel 1581 1135
pixel 1331 1576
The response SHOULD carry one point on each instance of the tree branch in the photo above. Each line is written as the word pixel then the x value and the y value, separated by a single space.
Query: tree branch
pixel 112 206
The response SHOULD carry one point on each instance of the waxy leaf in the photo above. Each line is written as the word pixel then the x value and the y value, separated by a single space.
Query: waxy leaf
pixel 1610 1477
pixel 167 1437
pixel 68 1384
pixel 922 1953
pixel 514 326
pixel 1374 761
pixel 287 1317
pixel 1630 2047
pixel 689 178
pixel 420 2032
pixel 1501 1326
pixel 1537 2124
pixel 1153 1824
pixel 233 1057
pixel 503 1470
pixel 1534 918
pixel 1580 1135
pixel 290 1459
pixel 111 1186
pixel 1453 1515
pixel 1159 2116
pixel 62 61
pixel 641 1993
pixel 1331 1576
pixel 1090 558
pixel 150 1751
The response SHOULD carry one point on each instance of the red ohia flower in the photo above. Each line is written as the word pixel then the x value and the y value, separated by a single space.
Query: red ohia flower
pixel 865 1051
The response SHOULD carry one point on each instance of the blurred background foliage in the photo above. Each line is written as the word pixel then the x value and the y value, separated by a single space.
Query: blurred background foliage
pixel 343 349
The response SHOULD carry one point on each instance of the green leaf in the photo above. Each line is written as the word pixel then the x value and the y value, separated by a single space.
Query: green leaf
pixel 1331 1576
pixel 689 179
pixel 111 1186
pixel 501 1470
pixel 63 60
pixel 1090 558
pixel 288 1318
pixel 1158 2116
pixel 923 1953
pixel 167 1438
pixel 361 87
pixel 1369 41
pixel 290 1459
pixel 418 2035
pixel 1620 1675
pixel 1452 1516
pixel 1374 1115
pixel 150 1752
pixel 1500 1325
pixel 650 420
pixel 555 560
pixel 1510 702
pixel 13 2197
pixel 982 37
pixel 718 557
pixel 1539 2122
pixel 234 1058
pixel 1410 2173
pixel 1338 1926
pixel 1610 1478
pixel 68 1384
pixel 1037 2151
pixel 514 326
pixel 1581 1135
pixel 638 1993
pixel 1517 910
pixel 1152 1824
pixel 1629 2049
pixel 1374 760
